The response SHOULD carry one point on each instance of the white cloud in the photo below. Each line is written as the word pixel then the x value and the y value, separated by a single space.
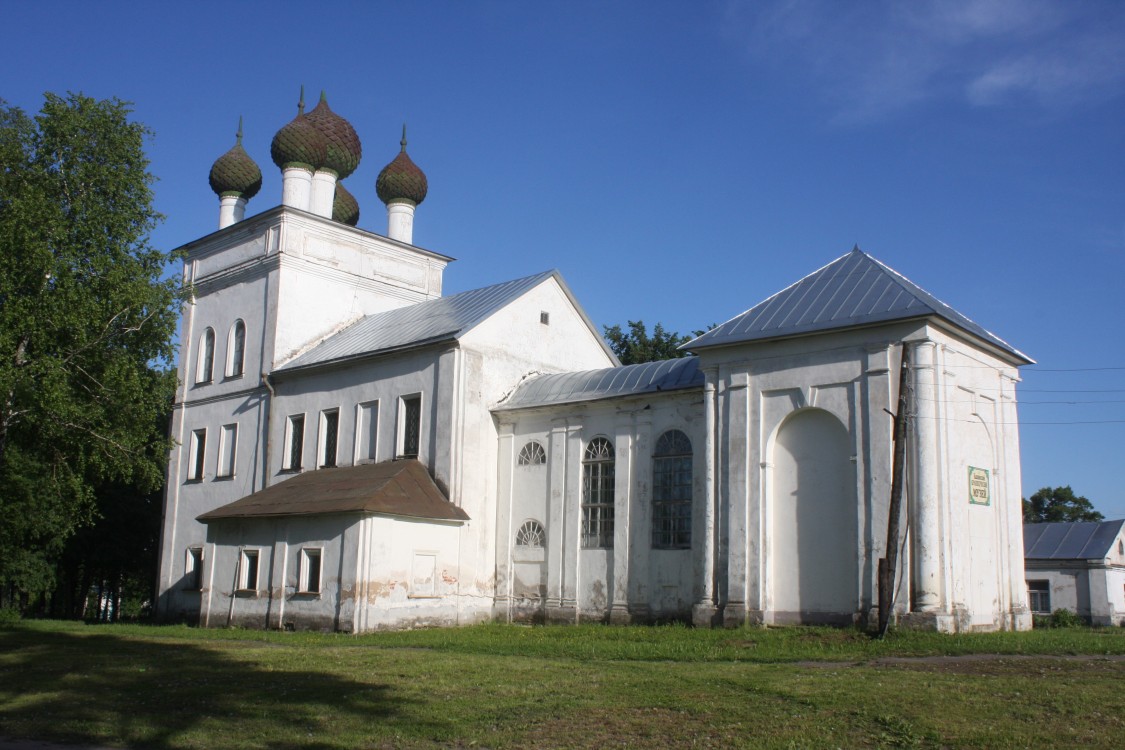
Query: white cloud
pixel 874 58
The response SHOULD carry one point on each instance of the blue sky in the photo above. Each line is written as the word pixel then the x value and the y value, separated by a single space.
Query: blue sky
pixel 680 162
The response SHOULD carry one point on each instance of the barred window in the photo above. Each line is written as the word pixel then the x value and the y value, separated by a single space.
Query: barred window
pixel 531 534
pixel 532 454
pixel 671 491
pixel 206 364
pixel 597 494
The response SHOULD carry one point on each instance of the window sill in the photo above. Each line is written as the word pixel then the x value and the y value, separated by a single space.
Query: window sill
pixel 305 596
pixel 224 478
pixel 291 471
pixel 237 376
pixel 246 593
pixel 423 596
pixel 194 480
pixel 202 383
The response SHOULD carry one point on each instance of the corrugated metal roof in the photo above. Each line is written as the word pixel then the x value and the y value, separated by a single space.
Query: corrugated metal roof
pixel 591 385
pixel 1080 540
pixel 441 319
pixel 853 290
pixel 397 488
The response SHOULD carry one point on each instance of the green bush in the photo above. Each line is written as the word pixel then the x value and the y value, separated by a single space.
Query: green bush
pixel 1064 618
pixel 9 615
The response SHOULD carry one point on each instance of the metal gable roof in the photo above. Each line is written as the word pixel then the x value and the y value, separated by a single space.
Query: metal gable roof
pixel 853 290
pixel 591 385
pixel 1080 540
pixel 441 319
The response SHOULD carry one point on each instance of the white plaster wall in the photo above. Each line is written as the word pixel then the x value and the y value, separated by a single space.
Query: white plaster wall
pixel 632 580
pixel 410 576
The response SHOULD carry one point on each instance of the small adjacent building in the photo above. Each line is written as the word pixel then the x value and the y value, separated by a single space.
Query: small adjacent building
pixel 357 450
pixel 1077 566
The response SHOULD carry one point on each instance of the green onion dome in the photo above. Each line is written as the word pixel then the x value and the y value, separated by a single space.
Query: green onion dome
pixel 299 144
pixel 344 148
pixel 345 208
pixel 402 180
pixel 235 173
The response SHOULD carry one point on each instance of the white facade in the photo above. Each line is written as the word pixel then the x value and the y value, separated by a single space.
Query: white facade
pixel 533 478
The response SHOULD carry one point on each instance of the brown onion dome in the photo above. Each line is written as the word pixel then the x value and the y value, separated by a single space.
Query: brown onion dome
pixel 344 148
pixel 235 173
pixel 402 180
pixel 300 143
pixel 345 208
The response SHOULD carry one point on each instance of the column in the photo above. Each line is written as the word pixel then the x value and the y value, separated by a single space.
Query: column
pixel 925 500
pixel 703 613
pixel 623 481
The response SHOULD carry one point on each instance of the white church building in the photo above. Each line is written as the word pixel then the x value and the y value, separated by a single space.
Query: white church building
pixel 357 451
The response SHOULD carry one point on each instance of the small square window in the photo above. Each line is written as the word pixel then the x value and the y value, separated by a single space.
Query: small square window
pixel 545 318
pixel 193 569
pixel 309 576
pixel 248 570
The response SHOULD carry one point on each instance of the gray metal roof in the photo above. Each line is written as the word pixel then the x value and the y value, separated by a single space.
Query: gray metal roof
pixel 1081 540
pixel 442 319
pixel 611 382
pixel 853 290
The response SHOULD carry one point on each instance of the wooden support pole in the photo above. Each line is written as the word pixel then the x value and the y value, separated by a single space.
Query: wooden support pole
pixel 888 566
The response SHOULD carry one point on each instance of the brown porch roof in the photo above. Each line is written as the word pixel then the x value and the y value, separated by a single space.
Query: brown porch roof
pixel 397 488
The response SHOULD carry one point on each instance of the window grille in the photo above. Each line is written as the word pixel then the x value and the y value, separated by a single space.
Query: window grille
pixel 532 454
pixel 598 494
pixel 412 426
pixel 531 534
pixel 330 426
pixel 671 491
pixel 294 453
pixel 206 357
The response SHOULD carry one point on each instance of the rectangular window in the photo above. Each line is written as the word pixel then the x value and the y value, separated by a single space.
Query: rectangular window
pixel 197 450
pixel 1039 593
pixel 309 577
pixel 228 440
pixel 294 443
pixel 329 437
pixel 410 426
pixel 193 569
pixel 366 429
pixel 248 570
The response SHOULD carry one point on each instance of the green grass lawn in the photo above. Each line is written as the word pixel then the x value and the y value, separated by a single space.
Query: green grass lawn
pixel 582 686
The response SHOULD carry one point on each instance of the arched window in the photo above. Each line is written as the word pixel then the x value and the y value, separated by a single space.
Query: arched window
pixel 532 454
pixel 236 350
pixel 671 491
pixel 531 534
pixel 206 357
pixel 597 494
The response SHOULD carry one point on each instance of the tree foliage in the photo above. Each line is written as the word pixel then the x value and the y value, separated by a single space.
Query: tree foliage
pixel 1051 504
pixel 637 346
pixel 86 325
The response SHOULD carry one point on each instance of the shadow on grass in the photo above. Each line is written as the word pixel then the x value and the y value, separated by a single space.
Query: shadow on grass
pixel 107 689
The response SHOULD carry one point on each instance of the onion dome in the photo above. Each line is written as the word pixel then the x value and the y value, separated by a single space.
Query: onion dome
pixel 344 148
pixel 235 173
pixel 345 208
pixel 402 180
pixel 300 143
